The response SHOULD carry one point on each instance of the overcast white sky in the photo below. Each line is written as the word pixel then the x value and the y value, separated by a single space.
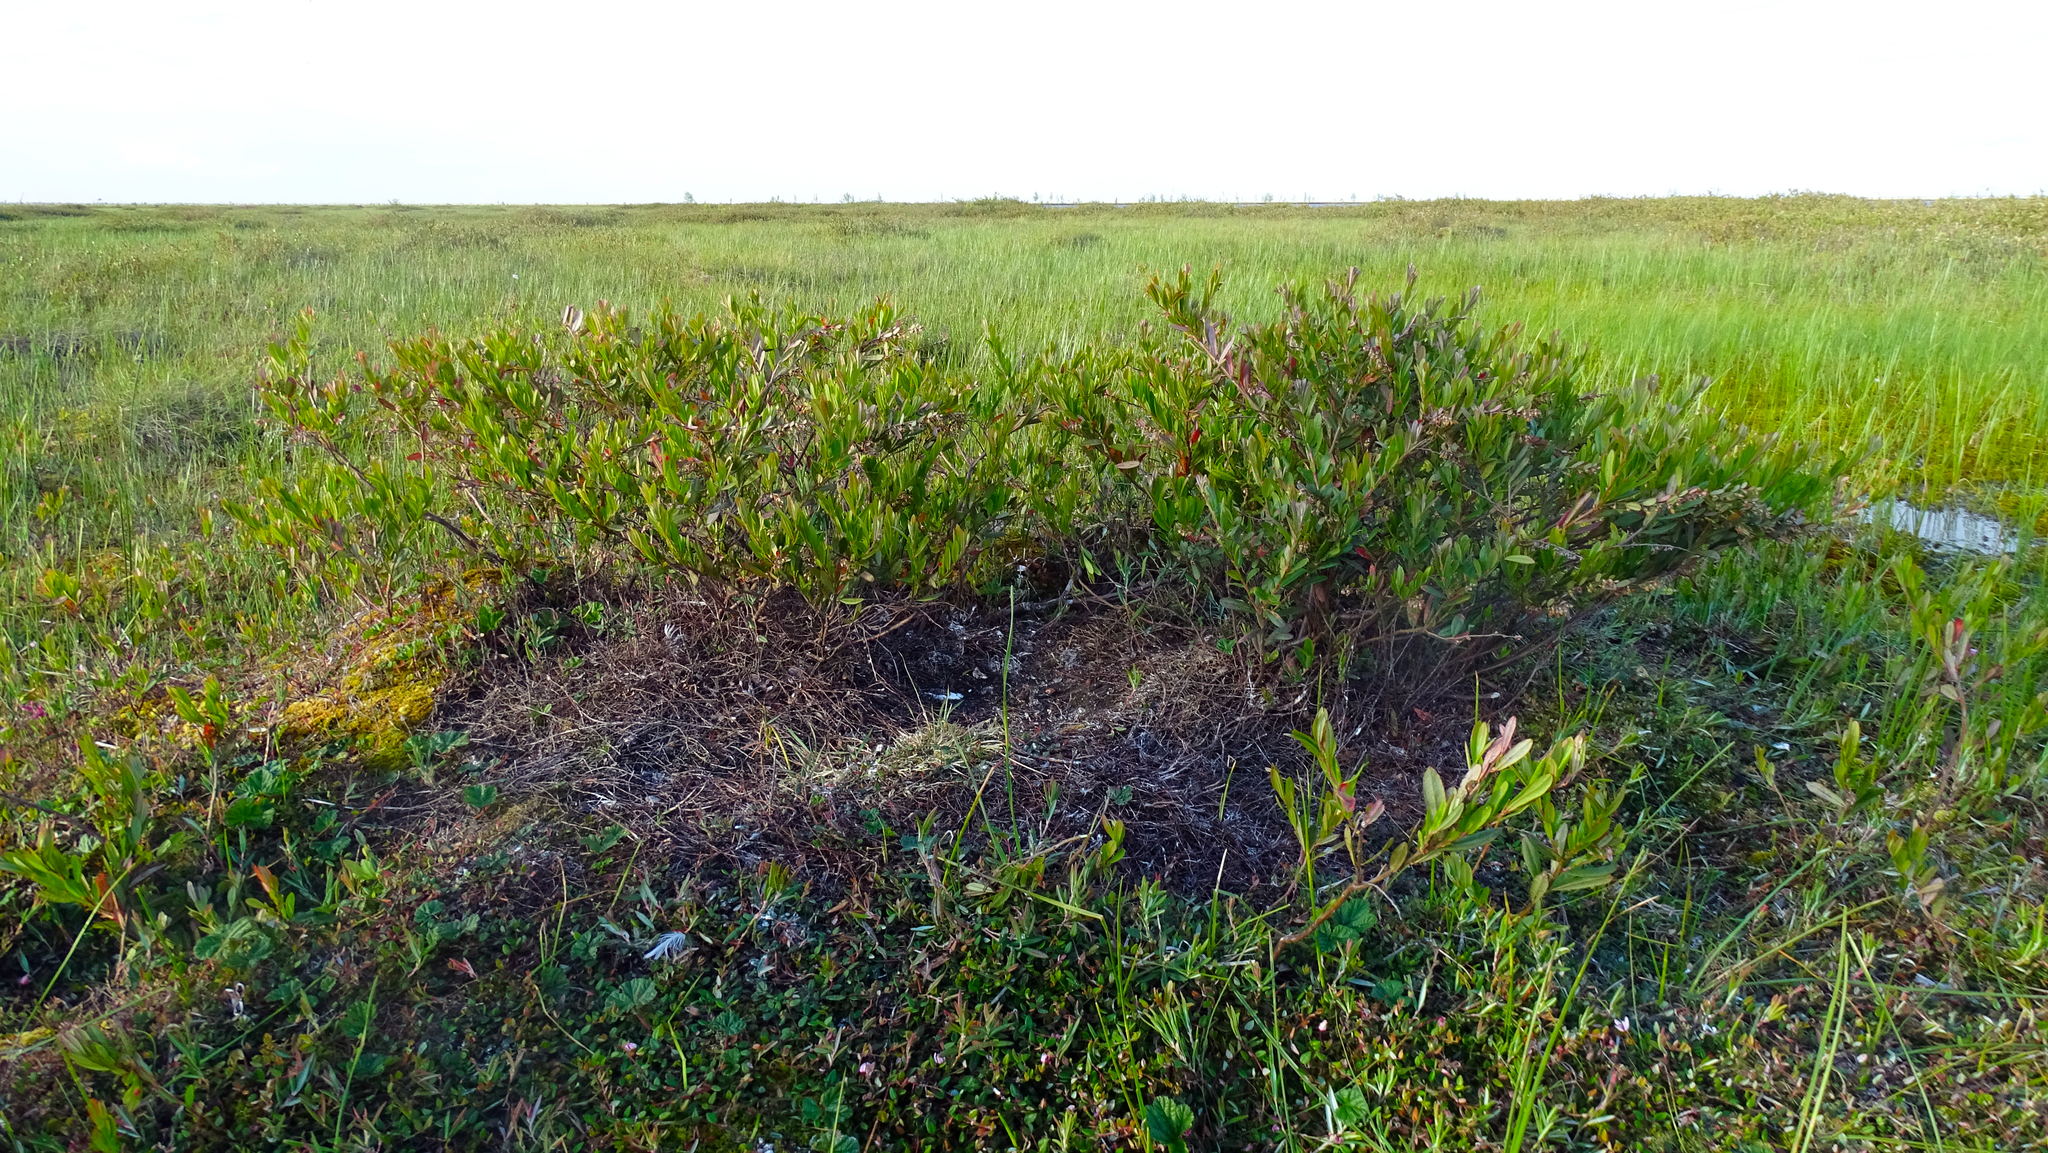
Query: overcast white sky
pixel 439 101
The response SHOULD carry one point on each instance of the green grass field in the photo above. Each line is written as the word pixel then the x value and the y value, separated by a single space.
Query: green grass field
pixel 1846 318
pixel 1807 943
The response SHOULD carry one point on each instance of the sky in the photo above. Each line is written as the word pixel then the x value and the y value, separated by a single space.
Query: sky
pixel 435 101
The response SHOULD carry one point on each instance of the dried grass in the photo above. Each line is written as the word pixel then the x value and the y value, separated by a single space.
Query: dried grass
pixel 726 731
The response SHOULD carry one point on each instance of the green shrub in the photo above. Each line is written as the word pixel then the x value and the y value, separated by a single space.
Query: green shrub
pixel 1396 465
pixel 1360 464
pixel 793 449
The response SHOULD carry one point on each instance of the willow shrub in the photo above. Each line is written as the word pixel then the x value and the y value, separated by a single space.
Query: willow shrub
pixel 786 448
pixel 1361 463
pixel 1401 468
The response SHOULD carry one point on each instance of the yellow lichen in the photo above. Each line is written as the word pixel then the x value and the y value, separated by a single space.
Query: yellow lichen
pixel 395 660
pixel 141 716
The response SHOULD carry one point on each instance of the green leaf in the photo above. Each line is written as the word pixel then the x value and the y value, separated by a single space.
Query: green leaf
pixel 238 944
pixel 59 875
pixel 1433 796
pixel 632 995
pixel 1478 840
pixel 1348 1107
pixel 187 708
pixel 1351 922
pixel 480 796
pixel 357 1018
pixel 1283 788
pixel 1167 1121
pixel 1582 877
pixel 1826 794
pixel 250 813
pixel 1538 787
pixel 106 1132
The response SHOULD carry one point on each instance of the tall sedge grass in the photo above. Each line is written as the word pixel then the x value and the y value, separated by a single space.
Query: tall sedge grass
pixel 132 333
pixel 1856 317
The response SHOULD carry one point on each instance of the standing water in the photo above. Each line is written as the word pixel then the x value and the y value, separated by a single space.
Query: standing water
pixel 1948 528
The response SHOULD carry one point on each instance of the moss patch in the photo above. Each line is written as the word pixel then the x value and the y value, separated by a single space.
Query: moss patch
pixel 391 662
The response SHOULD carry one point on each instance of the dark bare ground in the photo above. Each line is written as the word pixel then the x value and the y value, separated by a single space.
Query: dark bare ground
pixel 725 732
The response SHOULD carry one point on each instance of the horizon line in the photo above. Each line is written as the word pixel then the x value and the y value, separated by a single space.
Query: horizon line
pixel 689 201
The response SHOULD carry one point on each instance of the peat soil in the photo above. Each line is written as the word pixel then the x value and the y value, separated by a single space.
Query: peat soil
pixel 724 732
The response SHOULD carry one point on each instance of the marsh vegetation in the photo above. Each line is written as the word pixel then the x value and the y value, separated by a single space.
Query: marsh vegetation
pixel 871 676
